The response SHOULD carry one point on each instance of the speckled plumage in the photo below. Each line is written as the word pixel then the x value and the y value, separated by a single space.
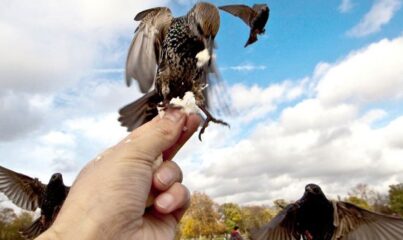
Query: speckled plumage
pixel 163 53
pixel 177 72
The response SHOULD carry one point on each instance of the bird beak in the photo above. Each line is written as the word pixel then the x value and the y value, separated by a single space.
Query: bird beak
pixel 309 189
pixel 209 44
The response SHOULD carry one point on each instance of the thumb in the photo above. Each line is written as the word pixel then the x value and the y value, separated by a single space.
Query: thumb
pixel 158 135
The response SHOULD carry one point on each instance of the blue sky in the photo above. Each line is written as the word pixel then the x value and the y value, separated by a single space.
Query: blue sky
pixel 318 95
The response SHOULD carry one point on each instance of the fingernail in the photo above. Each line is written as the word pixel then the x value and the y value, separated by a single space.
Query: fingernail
pixel 165 176
pixel 174 115
pixel 165 201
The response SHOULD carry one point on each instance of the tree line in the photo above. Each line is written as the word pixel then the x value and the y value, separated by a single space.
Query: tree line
pixel 206 219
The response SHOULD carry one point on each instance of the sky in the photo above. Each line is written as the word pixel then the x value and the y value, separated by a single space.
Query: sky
pixel 318 97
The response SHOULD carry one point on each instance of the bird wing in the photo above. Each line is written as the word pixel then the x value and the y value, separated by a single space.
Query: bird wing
pixel 353 222
pixel 216 92
pixel 281 227
pixel 22 190
pixel 145 49
pixel 242 11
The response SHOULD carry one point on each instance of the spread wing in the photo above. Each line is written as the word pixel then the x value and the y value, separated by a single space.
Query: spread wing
pixel 242 11
pixel 22 190
pixel 353 222
pixel 216 93
pixel 281 227
pixel 144 51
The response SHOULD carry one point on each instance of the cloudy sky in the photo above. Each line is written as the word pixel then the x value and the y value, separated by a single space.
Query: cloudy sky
pixel 318 97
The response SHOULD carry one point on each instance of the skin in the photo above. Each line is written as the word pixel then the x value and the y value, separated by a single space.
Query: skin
pixel 108 198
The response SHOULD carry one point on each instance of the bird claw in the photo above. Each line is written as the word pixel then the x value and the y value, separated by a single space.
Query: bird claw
pixel 211 119
pixel 166 105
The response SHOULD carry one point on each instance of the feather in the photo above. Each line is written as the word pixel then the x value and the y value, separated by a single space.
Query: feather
pixel 144 51
pixel 22 190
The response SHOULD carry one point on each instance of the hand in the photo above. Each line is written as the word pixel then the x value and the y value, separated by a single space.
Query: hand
pixel 108 198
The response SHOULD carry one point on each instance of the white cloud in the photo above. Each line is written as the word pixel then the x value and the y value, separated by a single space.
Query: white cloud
pixel 264 100
pixel 371 74
pixel 244 68
pixel 311 114
pixel 346 6
pixel 327 137
pixel 316 129
pixel 21 114
pixel 48 47
pixel 52 46
pixel 380 14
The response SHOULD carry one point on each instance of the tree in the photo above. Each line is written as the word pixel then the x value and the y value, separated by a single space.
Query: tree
pixel 381 204
pixel 231 215
pixel 201 219
pixel 280 204
pixel 254 217
pixel 396 198
pixel 7 215
pixel 358 202
pixel 11 224
pixel 362 191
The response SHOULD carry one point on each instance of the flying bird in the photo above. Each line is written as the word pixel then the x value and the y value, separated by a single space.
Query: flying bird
pixel 314 217
pixel 29 194
pixel 255 17
pixel 175 55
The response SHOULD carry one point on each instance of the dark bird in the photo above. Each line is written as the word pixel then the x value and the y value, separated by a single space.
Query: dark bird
pixel 255 17
pixel 176 56
pixel 29 194
pixel 314 217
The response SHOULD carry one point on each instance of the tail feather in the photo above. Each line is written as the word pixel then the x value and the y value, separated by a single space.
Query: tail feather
pixel 34 229
pixel 252 38
pixel 140 111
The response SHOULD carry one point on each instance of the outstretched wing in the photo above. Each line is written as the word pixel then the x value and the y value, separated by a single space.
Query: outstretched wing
pixel 353 222
pixel 216 93
pixel 144 51
pixel 242 11
pixel 281 227
pixel 22 190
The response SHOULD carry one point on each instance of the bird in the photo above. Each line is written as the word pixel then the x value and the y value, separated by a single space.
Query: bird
pixel 314 217
pixel 30 193
pixel 168 57
pixel 255 17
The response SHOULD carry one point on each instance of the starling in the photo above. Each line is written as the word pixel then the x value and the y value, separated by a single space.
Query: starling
pixel 29 194
pixel 255 17
pixel 314 217
pixel 176 56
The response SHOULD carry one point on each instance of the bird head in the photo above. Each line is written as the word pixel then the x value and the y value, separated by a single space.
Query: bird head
pixel 313 189
pixel 204 20
pixel 313 193
pixel 57 177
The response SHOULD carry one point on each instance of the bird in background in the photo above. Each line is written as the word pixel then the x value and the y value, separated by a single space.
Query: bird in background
pixel 29 194
pixel 255 17
pixel 314 217
pixel 168 57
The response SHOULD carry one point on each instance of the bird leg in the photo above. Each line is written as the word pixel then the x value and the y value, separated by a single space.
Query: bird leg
pixel 209 118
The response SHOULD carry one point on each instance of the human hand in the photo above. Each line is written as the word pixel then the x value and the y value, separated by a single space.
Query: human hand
pixel 108 198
